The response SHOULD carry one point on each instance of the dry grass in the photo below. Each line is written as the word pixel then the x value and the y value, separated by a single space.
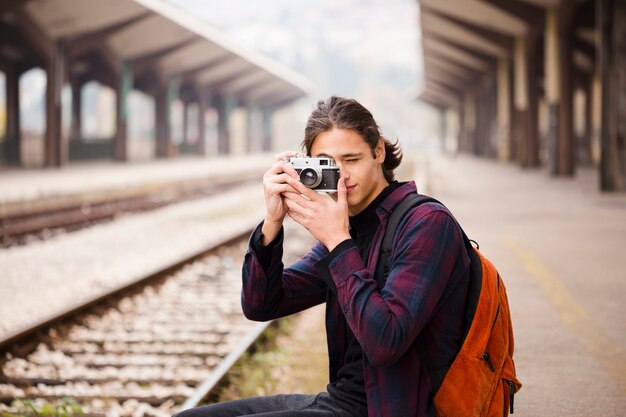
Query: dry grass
pixel 292 360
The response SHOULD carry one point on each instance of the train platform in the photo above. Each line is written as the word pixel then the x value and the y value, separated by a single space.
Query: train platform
pixel 101 179
pixel 559 245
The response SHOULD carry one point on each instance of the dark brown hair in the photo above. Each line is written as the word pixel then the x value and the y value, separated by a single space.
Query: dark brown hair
pixel 346 113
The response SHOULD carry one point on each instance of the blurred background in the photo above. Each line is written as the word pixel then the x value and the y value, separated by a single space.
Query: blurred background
pixel 520 81
pixel 134 134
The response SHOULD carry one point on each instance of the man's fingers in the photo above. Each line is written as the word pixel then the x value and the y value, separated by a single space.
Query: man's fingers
pixel 296 208
pixel 295 217
pixel 280 188
pixel 282 178
pixel 280 167
pixel 282 155
pixel 298 199
pixel 342 192
pixel 302 189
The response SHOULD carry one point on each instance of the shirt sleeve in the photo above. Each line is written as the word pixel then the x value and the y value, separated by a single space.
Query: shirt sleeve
pixel 428 250
pixel 270 290
pixel 323 264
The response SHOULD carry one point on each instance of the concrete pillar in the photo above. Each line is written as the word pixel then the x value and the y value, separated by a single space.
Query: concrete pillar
pixel 163 108
pixel 461 134
pixel 532 151
pixel 203 102
pixel 469 126
pixel 566 143
pixel 56 148
pixel 552 65
pixel 443 129
pixel 225 105
pixel 610 54
pixel 266 139
pixel 162 127
pixel 588 88
pixel 125 85
pixel 503 110
pixel 76 127
pixel 13 131
pixel 185 138
pixel 525 104
pixel 251 127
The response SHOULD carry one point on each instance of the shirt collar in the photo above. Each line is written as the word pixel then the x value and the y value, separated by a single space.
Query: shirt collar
pixel 396 197
pixel 367 220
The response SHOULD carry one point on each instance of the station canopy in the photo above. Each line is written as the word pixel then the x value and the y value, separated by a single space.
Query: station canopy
pixel 161 42
pixel 463 39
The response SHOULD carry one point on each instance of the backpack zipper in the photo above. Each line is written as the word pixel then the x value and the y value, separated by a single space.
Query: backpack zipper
pixel 487 359
pixel 511 385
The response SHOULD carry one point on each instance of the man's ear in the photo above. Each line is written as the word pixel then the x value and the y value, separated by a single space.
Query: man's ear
pixel 380 150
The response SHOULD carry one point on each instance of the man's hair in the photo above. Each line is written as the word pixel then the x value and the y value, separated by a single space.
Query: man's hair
pixel 346 113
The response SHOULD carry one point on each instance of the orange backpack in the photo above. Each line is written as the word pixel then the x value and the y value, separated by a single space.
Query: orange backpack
pixel 481 380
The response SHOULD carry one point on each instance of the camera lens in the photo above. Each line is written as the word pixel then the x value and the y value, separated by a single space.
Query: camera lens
pixel 310 177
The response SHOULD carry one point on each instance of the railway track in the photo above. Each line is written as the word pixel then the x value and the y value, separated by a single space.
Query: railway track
pixel 148 348
pixel 20 225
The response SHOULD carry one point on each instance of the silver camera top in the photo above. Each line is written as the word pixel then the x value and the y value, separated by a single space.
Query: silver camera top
pixel 303 161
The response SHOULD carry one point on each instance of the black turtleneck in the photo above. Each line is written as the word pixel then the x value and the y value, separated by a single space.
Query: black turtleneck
pixel 348 390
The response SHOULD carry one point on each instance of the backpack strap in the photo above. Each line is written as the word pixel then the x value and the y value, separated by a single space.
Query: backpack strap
pixel 398 213
pixel 383 268
pixel 411 201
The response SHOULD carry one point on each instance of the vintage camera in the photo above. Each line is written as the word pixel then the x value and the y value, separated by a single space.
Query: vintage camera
pixel 319 174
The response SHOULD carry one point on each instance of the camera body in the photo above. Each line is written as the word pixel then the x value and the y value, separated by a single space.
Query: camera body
pixel 319 174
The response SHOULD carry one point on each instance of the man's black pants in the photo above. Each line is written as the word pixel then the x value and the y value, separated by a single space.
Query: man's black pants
pixel 284 405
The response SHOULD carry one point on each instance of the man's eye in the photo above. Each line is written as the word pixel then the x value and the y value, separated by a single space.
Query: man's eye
pixel 351 160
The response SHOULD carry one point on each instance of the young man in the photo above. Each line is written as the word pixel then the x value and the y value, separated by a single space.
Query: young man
pixel 371 327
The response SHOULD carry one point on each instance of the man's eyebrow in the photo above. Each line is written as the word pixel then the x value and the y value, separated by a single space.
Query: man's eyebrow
pixel 345 155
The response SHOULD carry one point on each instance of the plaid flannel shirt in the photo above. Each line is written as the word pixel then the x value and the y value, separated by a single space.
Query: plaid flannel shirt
pixel 424 295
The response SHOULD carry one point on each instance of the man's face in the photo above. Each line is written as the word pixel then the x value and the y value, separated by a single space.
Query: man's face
pixel 362 172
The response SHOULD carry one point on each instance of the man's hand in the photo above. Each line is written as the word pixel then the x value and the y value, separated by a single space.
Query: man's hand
pixel 325 218
pixel 275 183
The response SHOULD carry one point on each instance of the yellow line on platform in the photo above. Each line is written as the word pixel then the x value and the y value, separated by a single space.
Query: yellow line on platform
pixel 611 355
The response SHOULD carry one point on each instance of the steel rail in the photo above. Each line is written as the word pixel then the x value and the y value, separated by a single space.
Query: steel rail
pixel 215 376
pixel 77 213
pixel 220 372
pixel 21 334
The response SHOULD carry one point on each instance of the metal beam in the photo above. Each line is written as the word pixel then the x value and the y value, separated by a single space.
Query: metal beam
pixel 7 6
pixel 452 66
pixel 532 15
pixel 279 99
pixel 460 78
pixel 148 62
pixel 247 82
pixel 229 78
pixel 284 101
pixel 191 56
pixel 444 88
pixel 221 71
pixel 544 3
pixel 432 101
pixel 480 13
pixel 191 75
pixel 86 42
pixel 455 54
pixel 439 100
pixel 34 33
pixel 268 88
pixel 441 72
pixel 447 29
